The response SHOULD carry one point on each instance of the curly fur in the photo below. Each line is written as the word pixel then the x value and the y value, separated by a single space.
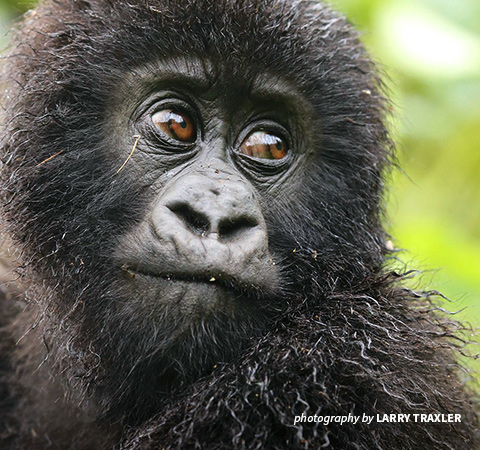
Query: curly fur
pixel 352 339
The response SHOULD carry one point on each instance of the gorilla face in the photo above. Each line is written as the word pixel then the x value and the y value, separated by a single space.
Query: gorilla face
pixel 206 158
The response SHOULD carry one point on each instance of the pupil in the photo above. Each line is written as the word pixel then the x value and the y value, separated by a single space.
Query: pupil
pixel 279 145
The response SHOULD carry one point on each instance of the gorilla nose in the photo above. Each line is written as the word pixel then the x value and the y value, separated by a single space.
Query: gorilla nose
pixel 208 225
pixel 218 218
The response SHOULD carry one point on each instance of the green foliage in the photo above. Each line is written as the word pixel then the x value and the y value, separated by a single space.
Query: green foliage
pixel 431 52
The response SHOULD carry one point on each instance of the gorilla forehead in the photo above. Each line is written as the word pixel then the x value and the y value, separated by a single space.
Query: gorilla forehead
pixel 237 33
pixel 211 79
pixel 212 26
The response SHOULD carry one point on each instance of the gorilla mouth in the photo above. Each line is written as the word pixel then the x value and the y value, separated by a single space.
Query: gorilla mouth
pixel 196 297
pixel 227 283
pixel 220 281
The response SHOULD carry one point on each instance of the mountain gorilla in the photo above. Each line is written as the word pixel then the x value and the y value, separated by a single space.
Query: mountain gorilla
pixel 192 195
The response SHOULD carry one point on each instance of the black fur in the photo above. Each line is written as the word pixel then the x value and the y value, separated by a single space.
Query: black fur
pixel 349 338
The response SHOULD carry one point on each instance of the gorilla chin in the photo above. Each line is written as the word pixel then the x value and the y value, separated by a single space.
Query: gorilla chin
pixel 166 333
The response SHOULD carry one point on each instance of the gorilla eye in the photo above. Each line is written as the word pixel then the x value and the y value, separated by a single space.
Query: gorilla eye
pixel 263 145
pixel 175 124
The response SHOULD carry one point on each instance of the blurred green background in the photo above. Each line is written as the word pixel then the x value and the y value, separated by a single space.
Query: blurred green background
pixel 430 53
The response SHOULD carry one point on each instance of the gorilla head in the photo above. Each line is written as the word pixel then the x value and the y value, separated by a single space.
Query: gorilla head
pixel 192 183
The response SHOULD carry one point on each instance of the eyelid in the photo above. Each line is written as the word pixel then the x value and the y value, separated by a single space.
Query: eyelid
pixel 162 100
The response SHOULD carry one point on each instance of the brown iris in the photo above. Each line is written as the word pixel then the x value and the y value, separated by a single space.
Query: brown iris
pixel 175 124
pixel 263 145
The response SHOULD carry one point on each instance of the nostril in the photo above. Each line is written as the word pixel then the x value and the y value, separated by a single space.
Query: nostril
pixel 196 222
pixel 229 228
